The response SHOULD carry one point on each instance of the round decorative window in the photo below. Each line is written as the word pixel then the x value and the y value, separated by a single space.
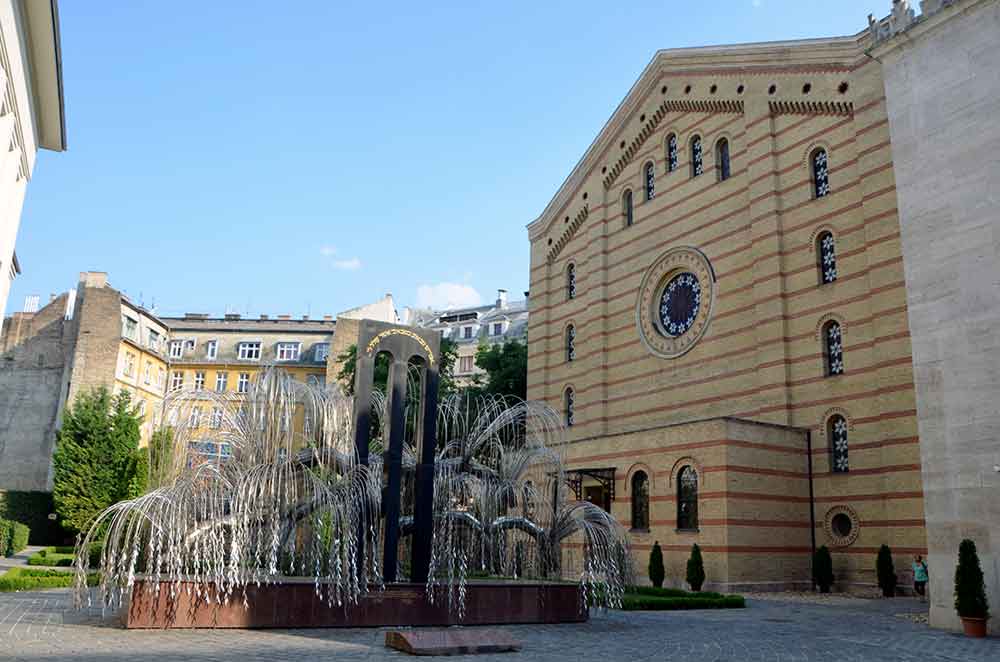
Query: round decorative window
pixel 841 525
pixel 675 302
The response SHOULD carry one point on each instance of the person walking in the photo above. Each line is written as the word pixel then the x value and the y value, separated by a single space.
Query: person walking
pixel 920 577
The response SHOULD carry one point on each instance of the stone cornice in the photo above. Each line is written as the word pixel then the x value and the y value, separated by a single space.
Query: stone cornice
pixel 568 233
pixel 811 107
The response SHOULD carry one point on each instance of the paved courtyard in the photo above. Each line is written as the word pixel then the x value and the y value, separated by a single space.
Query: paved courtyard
pixel 42 626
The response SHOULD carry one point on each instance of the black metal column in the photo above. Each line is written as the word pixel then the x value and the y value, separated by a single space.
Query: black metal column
pixel 423 509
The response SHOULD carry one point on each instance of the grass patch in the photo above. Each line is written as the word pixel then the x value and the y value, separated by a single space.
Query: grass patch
pixel 649 598
pixel 31 579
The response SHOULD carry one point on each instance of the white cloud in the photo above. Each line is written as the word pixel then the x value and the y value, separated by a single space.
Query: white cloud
pixel 447 295
pixel 349 264
pixel 756 3
pixel 352 264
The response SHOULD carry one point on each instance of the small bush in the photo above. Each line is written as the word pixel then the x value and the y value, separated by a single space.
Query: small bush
pixel 6 529
pixel 695 569
pixel 656 571
pixel 634 602
pixel 65 557
pixel 970 591
pixel 52 560
pixel 29 579
pixel 823 569
pixel 19 537
pixel 885 571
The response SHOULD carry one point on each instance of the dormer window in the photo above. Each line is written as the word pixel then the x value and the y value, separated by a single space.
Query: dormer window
pixel 176 349
pixel 211 349
pixel 248 351
pixel 288 351
pixel 130 328
pixel 153 340
pixel 322 351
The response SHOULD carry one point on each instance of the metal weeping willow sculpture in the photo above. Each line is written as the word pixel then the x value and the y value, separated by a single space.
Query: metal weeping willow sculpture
pixel 354 494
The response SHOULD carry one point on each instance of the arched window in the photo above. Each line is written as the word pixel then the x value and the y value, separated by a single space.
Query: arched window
pixel 570 342
pixel 571 281
pixel 826 256
pixel 836 429
pixel 640 501
pixel 833 349
pixel 820 173
pixel 672 152
pixel 697 165
pixel 722 159
pixel 568 406
pixel 687 499
pixel 627 207
pixel 649 177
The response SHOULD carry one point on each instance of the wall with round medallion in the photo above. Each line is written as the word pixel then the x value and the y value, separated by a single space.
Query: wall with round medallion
pixel 675 300
pixel 841 525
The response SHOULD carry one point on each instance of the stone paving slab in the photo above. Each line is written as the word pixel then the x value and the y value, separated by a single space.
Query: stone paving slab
pixel 41 626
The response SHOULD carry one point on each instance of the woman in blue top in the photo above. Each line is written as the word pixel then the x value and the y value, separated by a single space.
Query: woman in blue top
pixel 919 576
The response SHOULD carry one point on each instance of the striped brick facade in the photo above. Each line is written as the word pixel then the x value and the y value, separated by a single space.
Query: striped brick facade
pixel 748 400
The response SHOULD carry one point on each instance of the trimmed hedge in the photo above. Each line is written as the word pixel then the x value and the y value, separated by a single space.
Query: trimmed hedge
pixel 63 556
pixel 13 537
pixel 30 579
pixel 652 591
pixel 33 509
pixel 636 602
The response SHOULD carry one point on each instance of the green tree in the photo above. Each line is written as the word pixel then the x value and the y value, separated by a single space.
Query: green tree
pixel 970 590
pixel 695 569
pixel 160 455
pixel 506 368
pixel 97 459
pixel 885 571
pixel 446 363
pixel 822 568
pixel 656 571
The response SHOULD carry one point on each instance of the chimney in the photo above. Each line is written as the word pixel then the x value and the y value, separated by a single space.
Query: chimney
pixel 94 278
pixel 196 316
pixel 502 299
pixel 263 316
pixel 305 318
pixel 327 318
pixel 526 298
pixel 284 317
pixel 233 316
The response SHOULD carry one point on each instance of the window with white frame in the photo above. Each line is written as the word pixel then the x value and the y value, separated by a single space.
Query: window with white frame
pixel 130 328
pixel 161 377
pixel 322 351
pixel 142 409
pixel 465 363
pixel 153 340
pixel 249 351
pixel 243 385
pixel 466 332
pixel 221 381
pixel 216 420
pixel 211 349
pixel 128 364
pixel 318 381
pixel 176 349
pixel 176 380
pixel 199 380
pixel 498 328
pixel 288 351
pixel 194 419
pixel 147 373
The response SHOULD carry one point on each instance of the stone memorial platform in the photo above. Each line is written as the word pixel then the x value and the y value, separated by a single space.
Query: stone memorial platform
pixel 452 641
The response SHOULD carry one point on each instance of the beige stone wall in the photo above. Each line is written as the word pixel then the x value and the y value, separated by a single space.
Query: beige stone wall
pixel 761 356
pixel 943 101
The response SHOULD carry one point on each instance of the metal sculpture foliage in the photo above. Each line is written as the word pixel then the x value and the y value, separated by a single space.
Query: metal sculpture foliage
pixel 283 495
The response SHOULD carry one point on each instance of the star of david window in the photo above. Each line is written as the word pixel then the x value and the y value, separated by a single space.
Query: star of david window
pixel 697 165
pixel 679 304
pixel 837 430
pixel 650 181
pixel 570 342
pixel 827 252
pixel 671 152
pixel 834 349
pixel 821 174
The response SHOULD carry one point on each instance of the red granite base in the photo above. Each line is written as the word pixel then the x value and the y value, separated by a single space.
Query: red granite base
pixel 452 641
pixel 294 604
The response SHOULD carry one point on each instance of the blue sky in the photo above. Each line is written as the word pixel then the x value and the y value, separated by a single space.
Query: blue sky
pixel 307 157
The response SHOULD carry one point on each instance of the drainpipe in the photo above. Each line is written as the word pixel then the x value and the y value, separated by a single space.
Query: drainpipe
pixel 812 505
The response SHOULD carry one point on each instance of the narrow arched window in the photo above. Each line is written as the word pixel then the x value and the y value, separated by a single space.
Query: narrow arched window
pixel 826 256
pixel 833 349
pixel 687 498
pixel 836 429
pixel 820 173
pixel 568 405
pixel 722 159
pixel 627 207
pixel 697 163
pixel 672 152
pixel 649 175
pixel 570 342
pixel 640 500
pixel 571 281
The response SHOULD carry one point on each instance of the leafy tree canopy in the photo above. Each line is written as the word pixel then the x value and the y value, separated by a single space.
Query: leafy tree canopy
pixel 97 459
pixel 506 368
pixel 446 363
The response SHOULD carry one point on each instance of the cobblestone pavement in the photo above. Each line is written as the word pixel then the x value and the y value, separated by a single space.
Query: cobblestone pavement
pixel 42 626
